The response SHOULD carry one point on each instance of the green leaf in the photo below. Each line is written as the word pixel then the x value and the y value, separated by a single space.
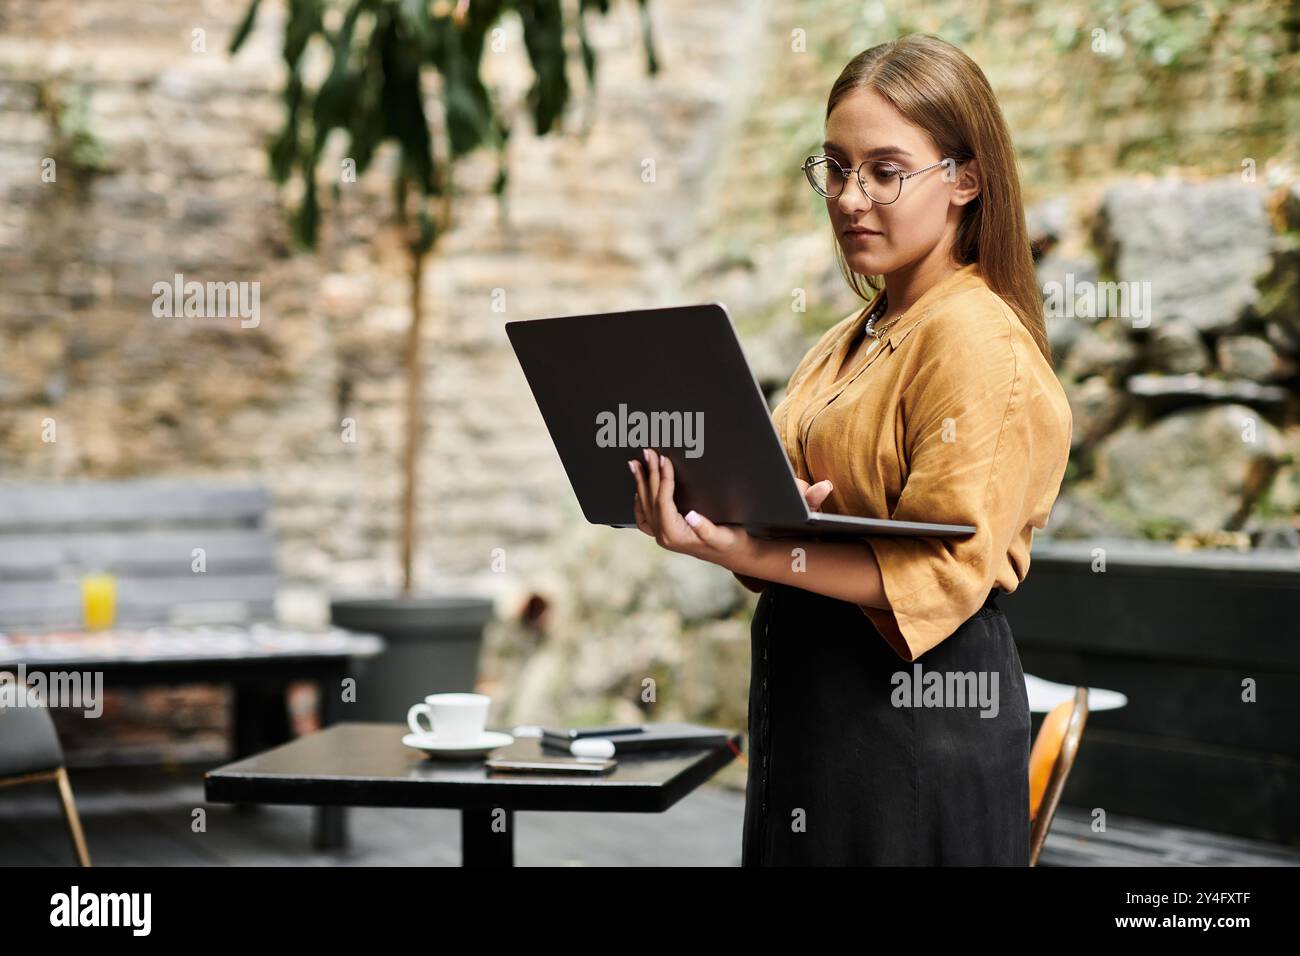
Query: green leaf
pixel 544 39
pixel 402 102
pixel 338 94
pixel 502 181
pixel 413 17
pixel 245 27
pixel 588 53
pixel 307 219
pixel 428 231
pixel 284 148
pixel 366 125
pixel 469 109
pixel 304 20
pixel 647 40
pixel 374 88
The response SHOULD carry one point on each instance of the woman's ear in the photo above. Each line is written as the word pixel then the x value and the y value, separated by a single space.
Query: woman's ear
pixel 968 183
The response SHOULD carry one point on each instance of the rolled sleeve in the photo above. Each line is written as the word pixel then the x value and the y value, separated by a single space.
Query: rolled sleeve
pixel 968 446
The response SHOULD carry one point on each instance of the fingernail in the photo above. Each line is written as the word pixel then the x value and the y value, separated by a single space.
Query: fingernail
pixel 692 519
pixel 645 453
pixel 631 466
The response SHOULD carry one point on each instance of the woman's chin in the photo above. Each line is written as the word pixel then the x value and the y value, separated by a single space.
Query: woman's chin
pixel 864 262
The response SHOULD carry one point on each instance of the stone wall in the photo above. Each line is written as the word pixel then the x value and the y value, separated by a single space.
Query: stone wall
pixel 180 186
pixel 161 170
pixel 1153 149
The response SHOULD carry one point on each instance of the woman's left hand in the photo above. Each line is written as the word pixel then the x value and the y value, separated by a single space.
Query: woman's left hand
pixel 692 533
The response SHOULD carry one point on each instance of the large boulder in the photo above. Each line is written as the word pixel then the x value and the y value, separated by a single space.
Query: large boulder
pixel 1279 299
pixel 1105 349
pixel 1096 407
pixel 1202 246
pixel 698 590
pixel 1175 346
pixel 1199 470
pixel 1249 357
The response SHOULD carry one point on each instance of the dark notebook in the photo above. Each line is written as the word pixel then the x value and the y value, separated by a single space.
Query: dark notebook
pixel 648 737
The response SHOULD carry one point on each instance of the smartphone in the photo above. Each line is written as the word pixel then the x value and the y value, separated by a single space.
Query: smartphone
pixel 573 765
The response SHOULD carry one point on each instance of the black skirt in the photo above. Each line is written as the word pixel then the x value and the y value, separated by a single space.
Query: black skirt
pixel 850 765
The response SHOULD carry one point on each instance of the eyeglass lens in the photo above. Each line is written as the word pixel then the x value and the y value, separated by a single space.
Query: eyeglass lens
pixel 882 181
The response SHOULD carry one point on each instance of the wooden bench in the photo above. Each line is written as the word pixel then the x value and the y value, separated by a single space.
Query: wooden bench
pixel 1177 632
pixel 144 532
pixel 183 552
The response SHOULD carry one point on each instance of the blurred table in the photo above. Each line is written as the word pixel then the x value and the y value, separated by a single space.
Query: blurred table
pixel 258 660
pixel 1044 695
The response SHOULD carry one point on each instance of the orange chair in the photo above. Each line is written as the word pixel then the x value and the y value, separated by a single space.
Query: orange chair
pixel 1050 761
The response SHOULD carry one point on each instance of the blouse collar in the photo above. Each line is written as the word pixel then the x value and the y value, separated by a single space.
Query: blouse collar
pixel 964 278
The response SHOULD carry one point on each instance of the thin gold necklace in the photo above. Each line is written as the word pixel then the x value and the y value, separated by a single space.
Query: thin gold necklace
pixel 870 327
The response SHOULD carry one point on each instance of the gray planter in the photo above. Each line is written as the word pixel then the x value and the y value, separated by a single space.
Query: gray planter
pixel 433 647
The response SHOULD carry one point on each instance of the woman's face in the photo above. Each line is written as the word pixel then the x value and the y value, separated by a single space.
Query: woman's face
pixel 863 126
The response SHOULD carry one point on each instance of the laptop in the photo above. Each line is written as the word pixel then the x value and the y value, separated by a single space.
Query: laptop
pixel 673 379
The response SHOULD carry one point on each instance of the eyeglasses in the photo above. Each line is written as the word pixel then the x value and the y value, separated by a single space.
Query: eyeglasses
pixel 882 183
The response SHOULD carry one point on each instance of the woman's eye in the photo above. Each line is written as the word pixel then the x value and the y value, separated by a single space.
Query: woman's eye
pixel 887 172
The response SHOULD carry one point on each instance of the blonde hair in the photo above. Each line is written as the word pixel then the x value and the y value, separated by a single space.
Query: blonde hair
pixel 944 92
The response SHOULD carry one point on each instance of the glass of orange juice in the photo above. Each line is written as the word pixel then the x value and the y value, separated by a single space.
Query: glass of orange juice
pixel 98 601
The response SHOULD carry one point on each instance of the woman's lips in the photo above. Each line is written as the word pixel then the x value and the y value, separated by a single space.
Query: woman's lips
pixel 860 235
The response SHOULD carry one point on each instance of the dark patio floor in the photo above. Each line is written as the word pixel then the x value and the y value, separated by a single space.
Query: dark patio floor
pixel 142 816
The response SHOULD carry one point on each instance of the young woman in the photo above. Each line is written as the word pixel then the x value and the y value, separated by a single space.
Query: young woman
pixel 888 719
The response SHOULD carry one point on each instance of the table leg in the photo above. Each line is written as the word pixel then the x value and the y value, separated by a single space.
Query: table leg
pixel 487 836
pixel 330 830
pixel 260 720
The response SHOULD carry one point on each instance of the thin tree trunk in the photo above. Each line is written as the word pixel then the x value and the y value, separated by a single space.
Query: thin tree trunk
pixel 414 419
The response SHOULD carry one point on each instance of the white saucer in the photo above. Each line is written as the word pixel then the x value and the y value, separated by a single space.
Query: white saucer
pixel 431 745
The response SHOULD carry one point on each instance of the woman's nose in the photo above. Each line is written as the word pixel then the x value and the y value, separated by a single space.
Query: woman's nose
pixel 853 197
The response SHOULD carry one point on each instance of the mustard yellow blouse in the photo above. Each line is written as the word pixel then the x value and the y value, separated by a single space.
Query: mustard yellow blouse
pixel 954 417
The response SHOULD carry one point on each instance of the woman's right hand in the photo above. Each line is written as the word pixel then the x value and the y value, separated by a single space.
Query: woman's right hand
pixel 814 494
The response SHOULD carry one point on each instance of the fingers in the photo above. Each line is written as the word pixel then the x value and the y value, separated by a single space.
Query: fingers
pixel 652 470
pixel 642 508
pixel 656 512
pixel 641 521
pixel 711 534
pixel 662 482
pixel 816 494
pixel 654 508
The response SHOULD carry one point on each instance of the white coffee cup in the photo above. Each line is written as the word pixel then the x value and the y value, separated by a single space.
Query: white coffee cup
pixel 453 718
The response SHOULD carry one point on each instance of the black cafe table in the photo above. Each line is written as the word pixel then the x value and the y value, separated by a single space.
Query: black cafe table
pixel 367 765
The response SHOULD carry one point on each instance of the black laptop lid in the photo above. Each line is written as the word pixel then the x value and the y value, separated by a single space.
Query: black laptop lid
pixel 673 379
